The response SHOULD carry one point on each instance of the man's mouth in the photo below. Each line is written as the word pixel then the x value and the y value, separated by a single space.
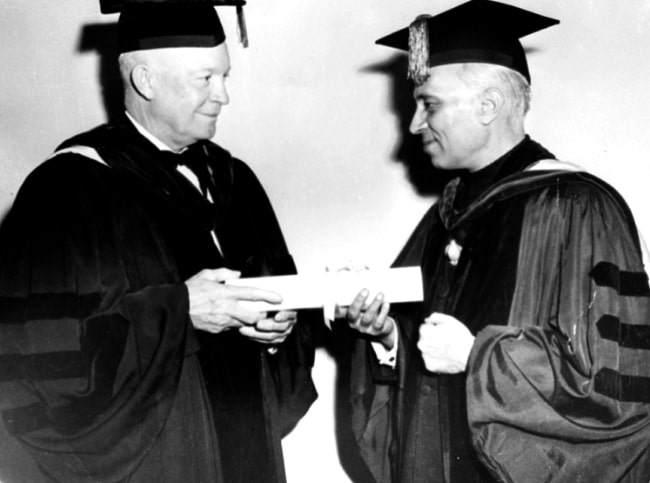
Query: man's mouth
pixel 427 141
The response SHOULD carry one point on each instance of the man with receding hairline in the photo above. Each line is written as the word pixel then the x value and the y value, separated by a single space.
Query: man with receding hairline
pixel 124 355
pixel 528 360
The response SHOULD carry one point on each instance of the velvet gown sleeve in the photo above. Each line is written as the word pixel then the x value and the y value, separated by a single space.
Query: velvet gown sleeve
pixel 376 391
pixel 92 336
pixel 563 392
pixel 253 242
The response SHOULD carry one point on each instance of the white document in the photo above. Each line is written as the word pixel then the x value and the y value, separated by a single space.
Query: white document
pixel 326 289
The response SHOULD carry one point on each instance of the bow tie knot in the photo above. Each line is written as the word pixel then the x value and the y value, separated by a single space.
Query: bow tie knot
pixel 195 158
pixel 173 160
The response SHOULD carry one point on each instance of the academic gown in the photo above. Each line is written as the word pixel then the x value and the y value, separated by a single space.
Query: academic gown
pixel 550 279
pixel 103 376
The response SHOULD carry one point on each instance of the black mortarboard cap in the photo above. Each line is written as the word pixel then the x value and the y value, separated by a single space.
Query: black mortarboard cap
pixel 114 6
pixel 482 31
pixel 155 24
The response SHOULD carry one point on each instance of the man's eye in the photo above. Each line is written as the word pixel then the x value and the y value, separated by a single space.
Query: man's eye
pixel 430 107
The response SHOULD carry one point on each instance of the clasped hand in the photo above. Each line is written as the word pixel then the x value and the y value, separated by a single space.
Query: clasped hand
pixel 215 307
pixel 445 343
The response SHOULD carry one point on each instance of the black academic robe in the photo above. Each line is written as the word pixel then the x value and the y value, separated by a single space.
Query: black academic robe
pixel 551 281
pixel 103 376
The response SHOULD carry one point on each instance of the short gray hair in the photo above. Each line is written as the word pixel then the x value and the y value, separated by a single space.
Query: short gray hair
pixel 126 62
pixel 514 86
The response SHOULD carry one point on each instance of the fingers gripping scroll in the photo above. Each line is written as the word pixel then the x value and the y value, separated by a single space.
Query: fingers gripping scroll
pixel 215 306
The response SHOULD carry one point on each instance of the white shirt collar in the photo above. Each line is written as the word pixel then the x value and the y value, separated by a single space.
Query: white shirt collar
pixel 184 170
pixel 156 142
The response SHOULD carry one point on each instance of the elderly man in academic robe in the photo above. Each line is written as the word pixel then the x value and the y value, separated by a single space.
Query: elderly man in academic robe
pixel 124 355
pixel 529 359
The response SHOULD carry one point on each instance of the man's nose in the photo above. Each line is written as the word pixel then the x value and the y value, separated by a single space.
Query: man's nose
pixel 220 93
pixel 418 122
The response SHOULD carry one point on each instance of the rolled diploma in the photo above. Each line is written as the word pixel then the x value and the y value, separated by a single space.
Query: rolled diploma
pixel 306 291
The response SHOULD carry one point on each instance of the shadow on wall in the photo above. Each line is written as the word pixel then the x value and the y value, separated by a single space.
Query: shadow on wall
pixel 426 179
pixel 101 38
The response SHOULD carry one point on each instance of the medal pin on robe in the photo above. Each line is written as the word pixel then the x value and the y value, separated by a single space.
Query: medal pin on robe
pixel 453 251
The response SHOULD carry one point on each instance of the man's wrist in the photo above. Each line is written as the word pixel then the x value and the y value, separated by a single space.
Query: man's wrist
pixel 388 340
pixel 385 348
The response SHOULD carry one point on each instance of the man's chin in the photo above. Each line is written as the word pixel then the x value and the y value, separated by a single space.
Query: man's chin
pixel 207 121
pixel 207 132
pixel 431 150
pixel 438 162
pixel 431 147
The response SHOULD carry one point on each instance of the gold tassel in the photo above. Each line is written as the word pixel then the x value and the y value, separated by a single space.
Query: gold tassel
pixel 241 25
pixel 419 49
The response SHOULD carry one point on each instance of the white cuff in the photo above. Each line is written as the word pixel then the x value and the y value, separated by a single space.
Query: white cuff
pixel 384 356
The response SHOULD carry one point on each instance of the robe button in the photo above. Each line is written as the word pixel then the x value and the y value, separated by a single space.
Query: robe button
pixel 426 389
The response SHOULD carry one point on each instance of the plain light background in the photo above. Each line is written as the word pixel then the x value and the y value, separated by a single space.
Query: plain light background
pixel 315 112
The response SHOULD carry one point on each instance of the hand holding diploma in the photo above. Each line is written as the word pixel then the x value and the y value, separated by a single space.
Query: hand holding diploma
pixel 370 319
pixel 271 330
pixel 216 306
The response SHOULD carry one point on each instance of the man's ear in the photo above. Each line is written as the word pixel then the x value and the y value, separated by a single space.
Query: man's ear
pixel 143 81
pixel 492 102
